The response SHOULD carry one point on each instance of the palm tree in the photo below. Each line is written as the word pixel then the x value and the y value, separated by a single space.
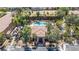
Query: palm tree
pixel 33 37
pixel 1 37
pixel 49 27
pixel 63 11
pixel 26 33
pixel 53 32
pixel 72 24
pixel 38 14
pixel 21 18
pixel 16 20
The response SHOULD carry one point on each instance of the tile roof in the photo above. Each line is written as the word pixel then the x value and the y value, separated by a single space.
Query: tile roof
pixel 5 21
pixel 39 30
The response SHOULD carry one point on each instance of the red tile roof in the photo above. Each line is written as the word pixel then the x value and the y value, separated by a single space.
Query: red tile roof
pixel 39 30
pixel 5 21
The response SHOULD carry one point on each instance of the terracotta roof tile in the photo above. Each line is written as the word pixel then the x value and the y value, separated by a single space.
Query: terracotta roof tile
pixel 5 21
pixel 39 30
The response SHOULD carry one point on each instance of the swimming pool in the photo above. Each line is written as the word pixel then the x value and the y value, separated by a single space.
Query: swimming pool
pixel 39 23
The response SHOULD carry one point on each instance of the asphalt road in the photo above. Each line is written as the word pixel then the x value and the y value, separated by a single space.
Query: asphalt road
pixel 72 48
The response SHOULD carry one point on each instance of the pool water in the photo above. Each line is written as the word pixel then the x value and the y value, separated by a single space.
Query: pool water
pixel 39 23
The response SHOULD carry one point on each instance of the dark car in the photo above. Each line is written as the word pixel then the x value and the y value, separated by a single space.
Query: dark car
pixel 26 48
pixel 52 48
